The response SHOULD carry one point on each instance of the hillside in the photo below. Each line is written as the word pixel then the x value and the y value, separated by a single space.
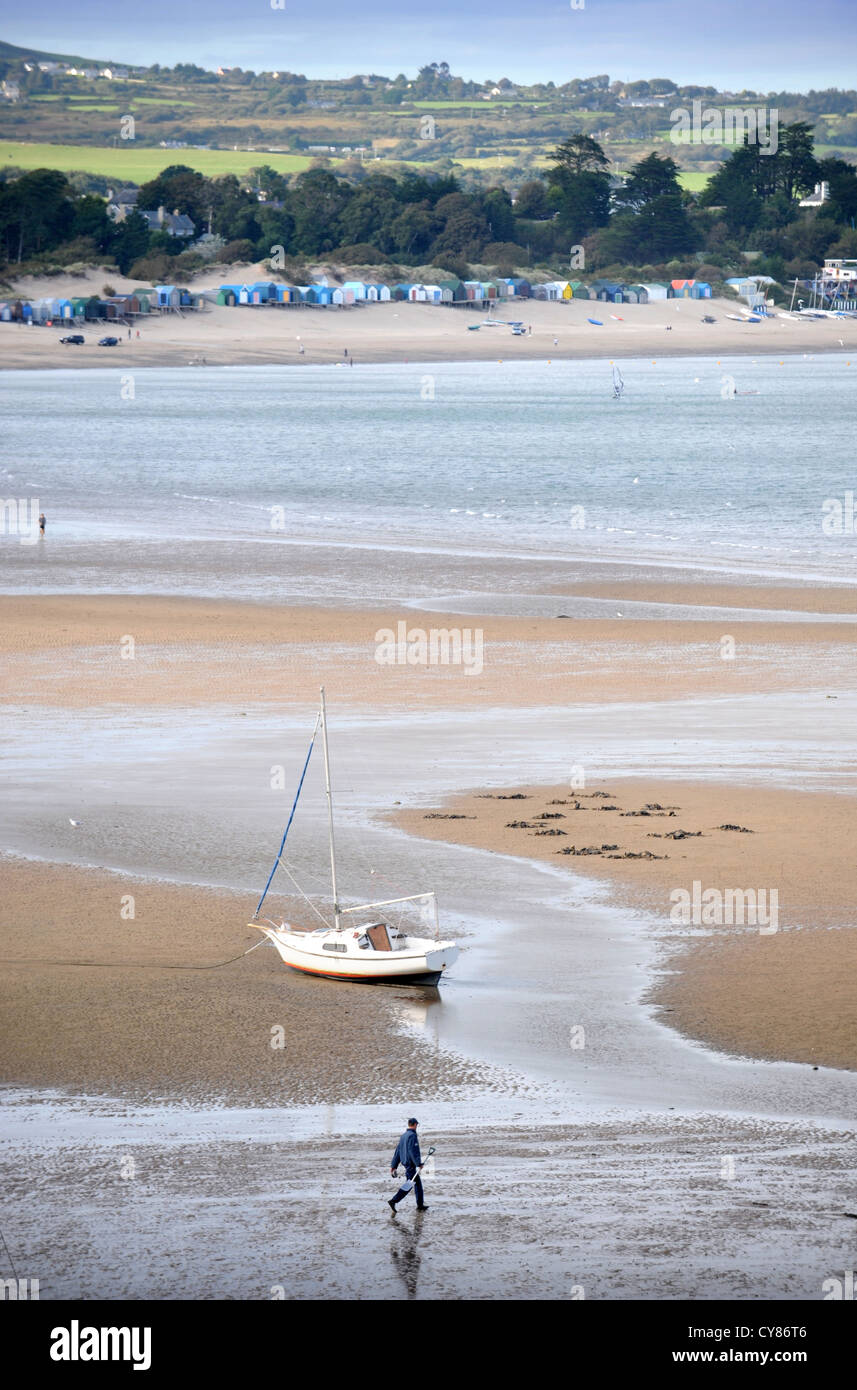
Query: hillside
pixel 9 52
pixel 434 120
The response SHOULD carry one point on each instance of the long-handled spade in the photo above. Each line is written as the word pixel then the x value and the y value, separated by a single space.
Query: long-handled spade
pixel 409 1182
pixel 406 1186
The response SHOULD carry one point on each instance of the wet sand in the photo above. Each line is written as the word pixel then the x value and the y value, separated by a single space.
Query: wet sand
pixel 63 652
pixel 177 1155
pixel 790 994
pixel 250 1205
pixel 106 1005
pixel 67 651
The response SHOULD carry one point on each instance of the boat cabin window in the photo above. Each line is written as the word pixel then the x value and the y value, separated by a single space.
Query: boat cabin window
pixel 333 946
pixel 364 943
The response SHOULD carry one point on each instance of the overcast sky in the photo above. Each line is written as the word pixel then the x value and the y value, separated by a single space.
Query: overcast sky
pixel 731 44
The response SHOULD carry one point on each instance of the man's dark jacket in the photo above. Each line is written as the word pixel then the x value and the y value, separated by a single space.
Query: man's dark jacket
pixel 408 1152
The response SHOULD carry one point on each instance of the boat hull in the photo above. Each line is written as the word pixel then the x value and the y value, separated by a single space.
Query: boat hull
pixel 426 977
pixel 422 963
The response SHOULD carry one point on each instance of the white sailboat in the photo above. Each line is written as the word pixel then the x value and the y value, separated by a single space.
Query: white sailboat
pixel 359 945
pixel 618 384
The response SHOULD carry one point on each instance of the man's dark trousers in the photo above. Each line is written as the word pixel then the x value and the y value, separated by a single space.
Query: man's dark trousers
pixel 417 1189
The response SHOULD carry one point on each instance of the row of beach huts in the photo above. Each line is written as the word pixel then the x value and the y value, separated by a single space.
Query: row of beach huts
pixel 125 308
pixel 455 291
pixel 119 308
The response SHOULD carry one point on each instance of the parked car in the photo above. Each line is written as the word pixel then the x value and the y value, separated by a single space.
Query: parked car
pixel 72 338
pixel 108 342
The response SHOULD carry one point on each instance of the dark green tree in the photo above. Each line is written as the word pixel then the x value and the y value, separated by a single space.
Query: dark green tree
pixel 90 219
pixel 178 187
pixel 315 203
pixel 130 241
pixel 532 200
pixel 650 178
pixel 577 155
pixel 580 185
pixel 842 178
pixel 797 167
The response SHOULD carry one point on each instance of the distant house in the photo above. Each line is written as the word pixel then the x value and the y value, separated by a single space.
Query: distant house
pixel 357 288
pixel 121 203
pixel 473 289
pixel 10 90
pixel 400 291
pixel 840 269
pixel 819 195
pixel 520 288
pixel 680 289
pixel 174 223
pixel 700 289
pixel 579 290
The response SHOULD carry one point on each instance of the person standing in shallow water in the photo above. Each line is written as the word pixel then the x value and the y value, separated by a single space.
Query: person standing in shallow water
pixel 43 521
pixel 408 1154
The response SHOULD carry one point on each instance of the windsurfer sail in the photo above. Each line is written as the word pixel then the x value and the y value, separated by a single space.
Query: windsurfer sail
pixel 618 384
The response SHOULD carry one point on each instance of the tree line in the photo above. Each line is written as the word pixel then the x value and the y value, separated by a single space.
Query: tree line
pixel 407 218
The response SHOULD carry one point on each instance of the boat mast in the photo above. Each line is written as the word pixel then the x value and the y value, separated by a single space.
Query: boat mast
pixel 336 912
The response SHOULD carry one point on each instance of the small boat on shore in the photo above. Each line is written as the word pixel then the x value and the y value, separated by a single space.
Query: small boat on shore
pixel 364 947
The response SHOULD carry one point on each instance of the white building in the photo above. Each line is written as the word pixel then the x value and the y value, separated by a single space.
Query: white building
pixel 840 270
pixel 820 195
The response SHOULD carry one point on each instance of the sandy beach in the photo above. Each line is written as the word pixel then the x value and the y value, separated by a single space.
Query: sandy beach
pixel 64 653
pixel 666 722
pixel 259 334
pixel 67 651
pixel 140 1006
pixel 723 983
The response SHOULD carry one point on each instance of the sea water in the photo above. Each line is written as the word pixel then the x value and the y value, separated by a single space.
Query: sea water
pixel 197 480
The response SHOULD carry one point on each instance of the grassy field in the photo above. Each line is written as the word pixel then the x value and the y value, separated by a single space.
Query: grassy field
pixel 441 105
pixel 138 165
pixel 160 101
pixel 693 180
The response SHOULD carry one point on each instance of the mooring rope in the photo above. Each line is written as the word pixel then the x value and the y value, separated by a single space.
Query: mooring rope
pixel 129 964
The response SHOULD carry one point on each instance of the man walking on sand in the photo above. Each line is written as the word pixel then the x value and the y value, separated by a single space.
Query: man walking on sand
pixel 408 1154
